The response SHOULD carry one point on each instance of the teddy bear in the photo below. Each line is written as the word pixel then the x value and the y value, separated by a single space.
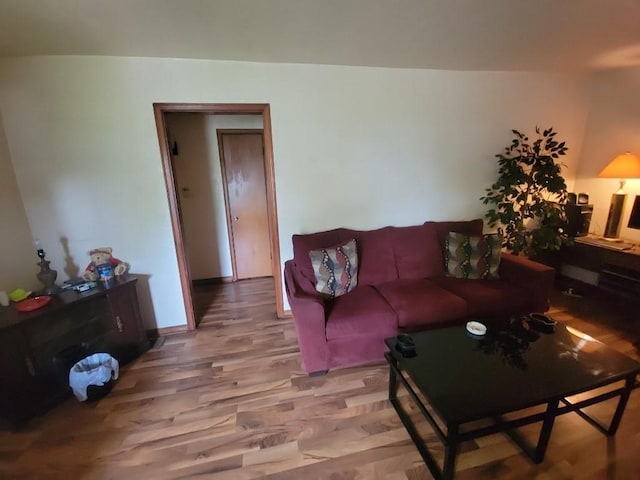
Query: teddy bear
pixel 103 265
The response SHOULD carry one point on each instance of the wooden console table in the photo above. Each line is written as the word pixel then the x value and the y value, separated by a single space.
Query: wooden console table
pixel 35 346
pixel 618 270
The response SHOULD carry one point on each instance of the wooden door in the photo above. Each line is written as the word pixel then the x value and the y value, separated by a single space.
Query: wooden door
pixel 243 174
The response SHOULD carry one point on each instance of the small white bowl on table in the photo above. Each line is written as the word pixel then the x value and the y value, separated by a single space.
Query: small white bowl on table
pixel 476 328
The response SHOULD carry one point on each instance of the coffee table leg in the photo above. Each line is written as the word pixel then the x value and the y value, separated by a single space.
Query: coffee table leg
pixel 622 403
pixel 393 381
pixel 545 432
pixel 429 460
pixel 450 451
pixel 630 384
pixel 537 453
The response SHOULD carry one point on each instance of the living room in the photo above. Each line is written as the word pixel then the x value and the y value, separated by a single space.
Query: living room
pixel 80 137
pixel 360 145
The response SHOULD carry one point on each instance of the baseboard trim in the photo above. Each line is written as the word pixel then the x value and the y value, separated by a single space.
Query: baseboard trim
pixel 212 281
pixel 164 331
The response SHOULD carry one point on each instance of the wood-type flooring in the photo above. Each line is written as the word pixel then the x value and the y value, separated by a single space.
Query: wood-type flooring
pixel 230 401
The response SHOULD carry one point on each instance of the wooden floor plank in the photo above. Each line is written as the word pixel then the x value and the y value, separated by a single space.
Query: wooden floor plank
pixel 230 401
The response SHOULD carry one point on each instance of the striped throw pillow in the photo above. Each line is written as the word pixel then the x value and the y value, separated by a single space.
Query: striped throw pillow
pixel 336 269
pixel 472 256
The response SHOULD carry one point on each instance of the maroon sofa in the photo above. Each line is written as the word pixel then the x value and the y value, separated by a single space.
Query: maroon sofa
pixel 401 287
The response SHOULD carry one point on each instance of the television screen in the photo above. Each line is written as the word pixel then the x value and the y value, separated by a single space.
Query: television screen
pixel 634 218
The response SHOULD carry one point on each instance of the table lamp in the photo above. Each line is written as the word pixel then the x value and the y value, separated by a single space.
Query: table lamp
pixel 624 166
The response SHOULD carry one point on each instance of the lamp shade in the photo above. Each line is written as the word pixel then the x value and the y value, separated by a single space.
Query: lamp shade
pixel 626 165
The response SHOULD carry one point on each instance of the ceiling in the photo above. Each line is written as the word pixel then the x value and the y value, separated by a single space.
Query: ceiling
pixel 519 35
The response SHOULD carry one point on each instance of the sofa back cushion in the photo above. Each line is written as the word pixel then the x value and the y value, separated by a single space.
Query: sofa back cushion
pixel 387 253
pixel 416 251
pixel 375 255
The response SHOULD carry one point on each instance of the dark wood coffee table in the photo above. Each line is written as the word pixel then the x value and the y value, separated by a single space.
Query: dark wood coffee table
pixel 465 378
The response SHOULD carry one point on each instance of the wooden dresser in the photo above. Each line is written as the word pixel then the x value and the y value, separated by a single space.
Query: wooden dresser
pixel 36 347
pixel 618 270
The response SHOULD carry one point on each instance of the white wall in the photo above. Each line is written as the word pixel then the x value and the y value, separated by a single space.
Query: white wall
pixel 353 146
pixel 613 127
pixel 17 254
pixel 199 179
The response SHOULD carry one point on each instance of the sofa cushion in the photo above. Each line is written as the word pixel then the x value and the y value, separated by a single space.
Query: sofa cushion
pixel 416 251
pixel 487 297
pixel 335 269
pixel 422 302
pixel 304 243
pixel 472 256
pixel 375 254
pixel 358 313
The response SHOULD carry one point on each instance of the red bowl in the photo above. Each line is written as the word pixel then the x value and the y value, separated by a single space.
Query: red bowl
pixel 29 304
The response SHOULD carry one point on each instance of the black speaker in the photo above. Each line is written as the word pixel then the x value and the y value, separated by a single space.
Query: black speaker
pixel 583 198
pixel 572 198
pixel 578 219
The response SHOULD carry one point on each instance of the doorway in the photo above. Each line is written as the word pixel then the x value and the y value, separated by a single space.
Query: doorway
pixel 161 111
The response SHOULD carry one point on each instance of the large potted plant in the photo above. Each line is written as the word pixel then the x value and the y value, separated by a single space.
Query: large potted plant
pixel 527 197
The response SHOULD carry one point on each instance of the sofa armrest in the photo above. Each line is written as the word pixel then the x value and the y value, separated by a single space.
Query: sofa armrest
pixel 535 277
pixel 310 321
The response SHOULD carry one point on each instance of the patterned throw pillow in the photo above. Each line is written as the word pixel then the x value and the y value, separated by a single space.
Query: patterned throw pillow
pixel 472 256
pixel 336 269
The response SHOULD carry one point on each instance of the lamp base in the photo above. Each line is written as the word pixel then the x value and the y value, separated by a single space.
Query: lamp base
pixel 612 229
pixel 47 277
